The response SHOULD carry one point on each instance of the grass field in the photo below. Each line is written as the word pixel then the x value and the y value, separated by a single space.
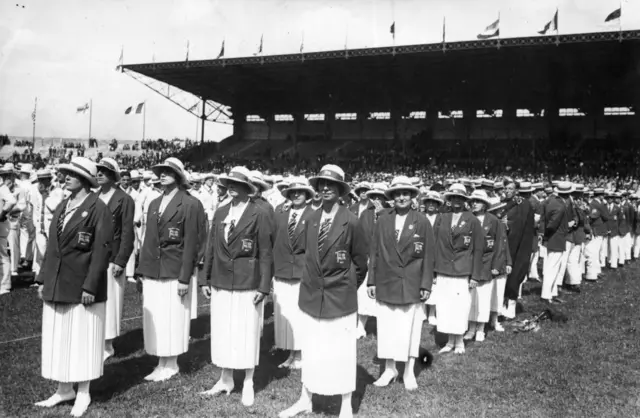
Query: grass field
pixel 587 367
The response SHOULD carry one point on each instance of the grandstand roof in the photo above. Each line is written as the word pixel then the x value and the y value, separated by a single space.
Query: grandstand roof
pixel 569 70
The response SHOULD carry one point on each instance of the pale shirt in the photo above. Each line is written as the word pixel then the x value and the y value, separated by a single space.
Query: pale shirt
pixel 166 198
pixel 362 207
pixel 43 211
pixel 105 197
pixel 328 215
pixel 480 218
pixel 455 218
pixel 235 213
pixel 432 218
pixel 209 199
pixel 152 195
pixel 6 197
pixel 71 208
pixel 400 221
pixel 298 213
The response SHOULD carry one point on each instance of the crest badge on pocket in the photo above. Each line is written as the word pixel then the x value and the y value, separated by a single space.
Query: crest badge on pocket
pixel 467 240
pixel 174 233
pixel 418 247
pixel 84 238
pixel 490 243
pixel 247 245
pixel 341 257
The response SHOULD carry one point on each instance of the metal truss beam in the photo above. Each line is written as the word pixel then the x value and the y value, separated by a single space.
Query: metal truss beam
pixel 213 112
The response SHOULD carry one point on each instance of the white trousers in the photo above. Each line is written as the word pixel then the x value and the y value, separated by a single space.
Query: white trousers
pixel 574 265
pixel 5 267
pixel 592 258
pixel 551 277
pixel 40 247
pixel 27 236
pixel 636 246
pixel 533 268
pixel 614 251
pixel 14 244
pixel 604 249
pixel 626 245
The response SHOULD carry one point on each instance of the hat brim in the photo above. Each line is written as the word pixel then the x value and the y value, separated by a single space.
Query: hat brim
pixel 313 181
pixel 558 191
pixel 73 169
pixel 391 190
pixel 432 199
pixel 109 169
pixel 449 195
pixel 496 207
pixel 158 168
pixel 263 186
pixel 225 180
pixel 307 189
pixel 358 190
pixel 528 190
pixel 480 199
pixel 372 193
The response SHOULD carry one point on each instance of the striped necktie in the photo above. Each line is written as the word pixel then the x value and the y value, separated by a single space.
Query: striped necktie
pixel 397 234
pixel 232 226
pixel 60 225
pixel 322 235
pixel 292 225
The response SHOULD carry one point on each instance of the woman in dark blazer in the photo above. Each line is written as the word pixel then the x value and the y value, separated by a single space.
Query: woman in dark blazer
pixel 168 258
pixel 400 277
pixel 335 266
pixel 238 269
pixel 73 285
pixel 122 209
pixel 459 240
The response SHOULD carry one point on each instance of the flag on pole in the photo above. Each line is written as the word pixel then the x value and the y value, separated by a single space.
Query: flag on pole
pixel 491 31
pixel 260 49
pixel 128 110
pixel 615 15
pixel 551 26
pixel 221 54
pixel 187 57
pixel 139 107
pixel 302 43
pixel 121 59
pixel 393 30
pixel 444 29
pixel 83 108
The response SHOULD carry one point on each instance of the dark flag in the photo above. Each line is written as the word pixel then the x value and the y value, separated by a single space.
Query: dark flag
pixel 616 14
pixel 126 112
pixel 139 108
pixel 221 54
pixel 551 26
pixel 393 30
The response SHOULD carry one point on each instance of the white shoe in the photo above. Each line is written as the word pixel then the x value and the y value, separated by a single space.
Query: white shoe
pixel 131 280
pixel 361 333
pixel 296 364
pixel 497 326
pixel 220 387
pixel 469 335
pixel 510 312
pixel 346 412
pixel 299 407
pixel 166 374
pixel 388 376
pixel 248 395
pixel 480 336
pixel 433 320
pixel 156 372
pixel 287 363
pixel 57 398
pixel 108 353
pixel 80 406
pixel 459 349
pixel 410 383
pixel 446 349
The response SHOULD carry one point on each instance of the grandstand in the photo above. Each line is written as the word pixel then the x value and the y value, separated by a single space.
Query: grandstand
pixel 575 88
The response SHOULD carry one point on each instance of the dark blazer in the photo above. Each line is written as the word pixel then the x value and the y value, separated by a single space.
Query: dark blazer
pixel 244 263
pixel 624 218
pixel 330 279
pixel 599 216
pixel 78 261
pixel 122 209
pixel 367 219
pixel 556 224
pixel 171 241
pixel 459 250
pixel 502 257
pixel 612 224
pixel 493 245
pixel 289 255
pixel 399 269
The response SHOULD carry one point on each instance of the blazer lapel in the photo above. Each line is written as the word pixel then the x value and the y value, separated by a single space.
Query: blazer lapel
pixel 410 228
pixel 335 231
pixel 171 209
pixel 77 218
pixel 304 216
pixel 244 221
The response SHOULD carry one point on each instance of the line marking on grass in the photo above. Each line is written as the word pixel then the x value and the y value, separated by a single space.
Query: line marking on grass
pixel 39 335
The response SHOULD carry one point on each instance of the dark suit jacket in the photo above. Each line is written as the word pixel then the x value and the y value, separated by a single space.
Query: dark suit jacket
pixel 245 262
pixel 556 224
pixel 289 255
pixel 399 269
pixel 367 219
pixel 330 279
pixel 122 209
pixel 78 261
pixel 502 257
pixel 171 241
pixel 612 224
pixel 459 251
pixel 493 245
pixel 624 218
pixel 599 217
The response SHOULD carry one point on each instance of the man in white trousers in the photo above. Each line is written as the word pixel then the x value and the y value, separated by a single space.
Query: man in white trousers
pixel 27 230
pixel 598 218
pixel 613 228
pixel 556 229
pixel 7 202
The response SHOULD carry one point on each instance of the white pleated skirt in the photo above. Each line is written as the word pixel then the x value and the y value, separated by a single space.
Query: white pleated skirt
pixel 481 302
pixel 72 341
pixel 286 314
pixel 366 305
pixel 453 304
pixel 329 354
pixel 236 324
pixel 433 295
pixel 114 304
pixel 399 330
pixel 498 284
pixel 166 318
pixel 193 289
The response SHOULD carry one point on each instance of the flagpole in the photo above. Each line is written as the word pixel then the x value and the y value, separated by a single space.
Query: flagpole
pixel 144 118
pixel 204 117
pixel 620 20
pixel 444 32
pixel 33 135
pixel 90 117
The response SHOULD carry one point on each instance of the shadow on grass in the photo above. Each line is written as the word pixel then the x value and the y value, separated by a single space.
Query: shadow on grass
pixel 330 405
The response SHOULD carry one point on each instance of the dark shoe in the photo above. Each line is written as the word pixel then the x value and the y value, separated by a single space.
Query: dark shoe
pixel 573 289
pixel 558 300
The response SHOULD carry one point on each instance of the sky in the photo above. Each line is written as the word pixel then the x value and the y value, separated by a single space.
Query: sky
pixel 64 52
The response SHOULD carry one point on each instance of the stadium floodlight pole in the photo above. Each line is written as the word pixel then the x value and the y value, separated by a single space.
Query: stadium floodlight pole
pixel 203 117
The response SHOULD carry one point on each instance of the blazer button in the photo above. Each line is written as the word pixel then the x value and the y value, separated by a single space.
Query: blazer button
pixel 158 257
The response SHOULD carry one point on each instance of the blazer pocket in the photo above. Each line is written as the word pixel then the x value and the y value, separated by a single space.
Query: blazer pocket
pixel 340 257
pixel 84 238
pixel 248 245
pixel 173 232
pixel 417 248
